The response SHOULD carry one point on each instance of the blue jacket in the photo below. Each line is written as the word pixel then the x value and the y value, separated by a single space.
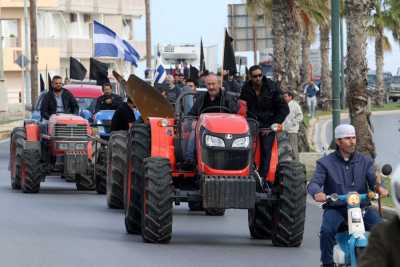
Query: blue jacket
pixel 334 175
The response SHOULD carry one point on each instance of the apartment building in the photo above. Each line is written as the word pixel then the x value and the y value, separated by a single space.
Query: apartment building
pixel 64 30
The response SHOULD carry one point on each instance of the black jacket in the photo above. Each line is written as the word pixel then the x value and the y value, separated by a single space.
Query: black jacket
pixel 267 108
pixel 49 104
pixel 122 117
pixel 102 105
pixel 224 100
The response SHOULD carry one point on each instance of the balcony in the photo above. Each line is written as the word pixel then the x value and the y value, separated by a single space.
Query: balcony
pixel 20 3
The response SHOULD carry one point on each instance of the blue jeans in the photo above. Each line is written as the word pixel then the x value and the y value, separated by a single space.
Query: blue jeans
pixel 191 147
pixel 331 221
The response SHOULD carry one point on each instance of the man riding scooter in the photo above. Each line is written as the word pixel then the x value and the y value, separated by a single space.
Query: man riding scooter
pixel 344 170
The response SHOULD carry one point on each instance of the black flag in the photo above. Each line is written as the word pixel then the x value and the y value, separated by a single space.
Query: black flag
pixel 42 85
pixel 49 82
pixel 76 70
pixel 202 62
pixel 229 55
pixel 98 71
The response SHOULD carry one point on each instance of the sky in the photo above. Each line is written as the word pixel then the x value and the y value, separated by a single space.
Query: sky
pixel 186 21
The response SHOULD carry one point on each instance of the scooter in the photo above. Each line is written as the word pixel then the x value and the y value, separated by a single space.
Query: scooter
pixel 350 243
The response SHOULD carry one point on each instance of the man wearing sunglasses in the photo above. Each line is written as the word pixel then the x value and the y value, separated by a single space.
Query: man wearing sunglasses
pixel 265 104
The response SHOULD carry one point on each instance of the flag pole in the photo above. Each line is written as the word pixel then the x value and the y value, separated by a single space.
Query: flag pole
pixel 47 80
pixel 223 55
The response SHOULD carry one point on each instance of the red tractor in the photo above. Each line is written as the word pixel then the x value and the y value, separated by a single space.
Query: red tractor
pixel 224 177
pixel 64 149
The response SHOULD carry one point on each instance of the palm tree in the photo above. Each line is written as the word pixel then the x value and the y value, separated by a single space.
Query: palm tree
pixel 278 33
pixel 357 12
pixel 386 15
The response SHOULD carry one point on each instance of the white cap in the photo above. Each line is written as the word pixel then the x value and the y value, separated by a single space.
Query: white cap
pixel 344 130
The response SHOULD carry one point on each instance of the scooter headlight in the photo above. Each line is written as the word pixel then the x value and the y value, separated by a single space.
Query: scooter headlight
pixel 242 142
pixel 353 199
pixel 214 141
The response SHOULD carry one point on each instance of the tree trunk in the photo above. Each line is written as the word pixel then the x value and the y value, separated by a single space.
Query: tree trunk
pixel 305 55
pixel 148 33
pixel 326 85
pixel 357 12
pixel 278 31
pixel 293 46
pixel 379 89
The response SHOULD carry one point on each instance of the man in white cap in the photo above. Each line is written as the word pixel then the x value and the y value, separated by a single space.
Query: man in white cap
pixel 340 172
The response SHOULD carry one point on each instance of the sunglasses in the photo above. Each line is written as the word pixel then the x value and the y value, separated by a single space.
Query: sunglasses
pixel 257 76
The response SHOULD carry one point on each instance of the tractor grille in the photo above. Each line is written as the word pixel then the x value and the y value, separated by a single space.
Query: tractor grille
pixel 226 159
pixel 70 130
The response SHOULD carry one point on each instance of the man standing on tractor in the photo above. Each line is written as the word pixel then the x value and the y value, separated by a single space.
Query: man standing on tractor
pixel 266 105
pixel 340 172
pixel 214 100
pixel 123 116
pixel 58 100
pixel 109 100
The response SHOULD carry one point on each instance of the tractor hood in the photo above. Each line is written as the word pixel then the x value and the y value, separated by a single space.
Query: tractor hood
pixel 224 123
pixel 67 119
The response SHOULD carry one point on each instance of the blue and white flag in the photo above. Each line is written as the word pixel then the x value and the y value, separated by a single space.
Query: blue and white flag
pixel 108 44
pixel 160 72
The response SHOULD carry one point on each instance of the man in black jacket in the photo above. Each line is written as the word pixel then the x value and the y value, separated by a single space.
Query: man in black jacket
pixel 59 100
pixel 265 104
pixel 108 101
pixel 215 100
pixel 123 116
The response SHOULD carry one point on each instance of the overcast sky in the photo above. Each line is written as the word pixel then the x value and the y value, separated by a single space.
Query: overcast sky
pixel 186 21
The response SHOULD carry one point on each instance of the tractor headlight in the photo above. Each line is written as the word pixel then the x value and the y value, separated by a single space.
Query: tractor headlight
pixel 101 129
pixel 99 122
pixel 242 142
pixel 62 146
pixel 214 141
pixel 80 146
pixel 353 199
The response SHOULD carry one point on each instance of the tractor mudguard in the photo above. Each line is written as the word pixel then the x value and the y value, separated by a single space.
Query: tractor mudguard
pixel 162 139
pixel 32 131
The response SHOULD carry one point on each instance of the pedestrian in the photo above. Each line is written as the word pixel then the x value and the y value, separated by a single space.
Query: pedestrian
pixel 342 171
pixel 174 88
pixel 109 100
pixel 123 116
pixel 231 85
pixel 292 122
pixel 190 86
pixel 58 100
pixel 266 105
pixel 311 90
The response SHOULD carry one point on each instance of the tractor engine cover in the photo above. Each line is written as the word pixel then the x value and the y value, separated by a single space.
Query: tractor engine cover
pixel 228 192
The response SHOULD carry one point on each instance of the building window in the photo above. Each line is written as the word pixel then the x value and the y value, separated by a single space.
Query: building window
pixel 10 34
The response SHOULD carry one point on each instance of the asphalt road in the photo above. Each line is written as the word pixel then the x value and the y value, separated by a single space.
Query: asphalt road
pixel 63 227
pixel 386 137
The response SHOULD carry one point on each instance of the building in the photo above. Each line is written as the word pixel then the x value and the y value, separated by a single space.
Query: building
pixel 64 30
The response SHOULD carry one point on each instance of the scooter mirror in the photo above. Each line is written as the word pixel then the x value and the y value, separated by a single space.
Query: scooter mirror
pixel 386 169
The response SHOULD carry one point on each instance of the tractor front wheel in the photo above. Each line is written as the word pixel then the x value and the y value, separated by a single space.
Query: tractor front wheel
pixel 16 151
pixel 101 173
pixel 30 171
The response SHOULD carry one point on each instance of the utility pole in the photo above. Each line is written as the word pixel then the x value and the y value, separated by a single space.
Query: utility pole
pixel 34 52
pixel 148 35
pixel 254 39
pixel 2 80
pixel 335 65
pixel 26 76
pixel 343 92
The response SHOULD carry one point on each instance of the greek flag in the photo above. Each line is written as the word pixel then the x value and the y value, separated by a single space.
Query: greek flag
pixel 160 73
pixel 108 44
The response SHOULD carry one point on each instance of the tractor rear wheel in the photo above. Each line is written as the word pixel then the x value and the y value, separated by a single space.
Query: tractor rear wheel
pixel 16 151
pixel 116 169
pixel 30 171
pixel 138 150
pixel 290 209
pixel 157 201
pixel 195 206
pixel 215 212
pixel 101 172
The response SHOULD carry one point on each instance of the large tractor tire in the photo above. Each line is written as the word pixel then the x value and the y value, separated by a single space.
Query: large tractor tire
pixel 157 201
pixel 116 169
pixel 260 218
pixel 138 150
pixel 85 182
pixel 16 151
pixel 195 206
pixel 31 174
pixel 285 149
pixel 290 209
pixel 215 212
pixel 101 171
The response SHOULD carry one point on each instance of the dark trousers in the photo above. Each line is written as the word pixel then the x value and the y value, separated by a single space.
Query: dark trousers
pixel 331 221
pixel 266 141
